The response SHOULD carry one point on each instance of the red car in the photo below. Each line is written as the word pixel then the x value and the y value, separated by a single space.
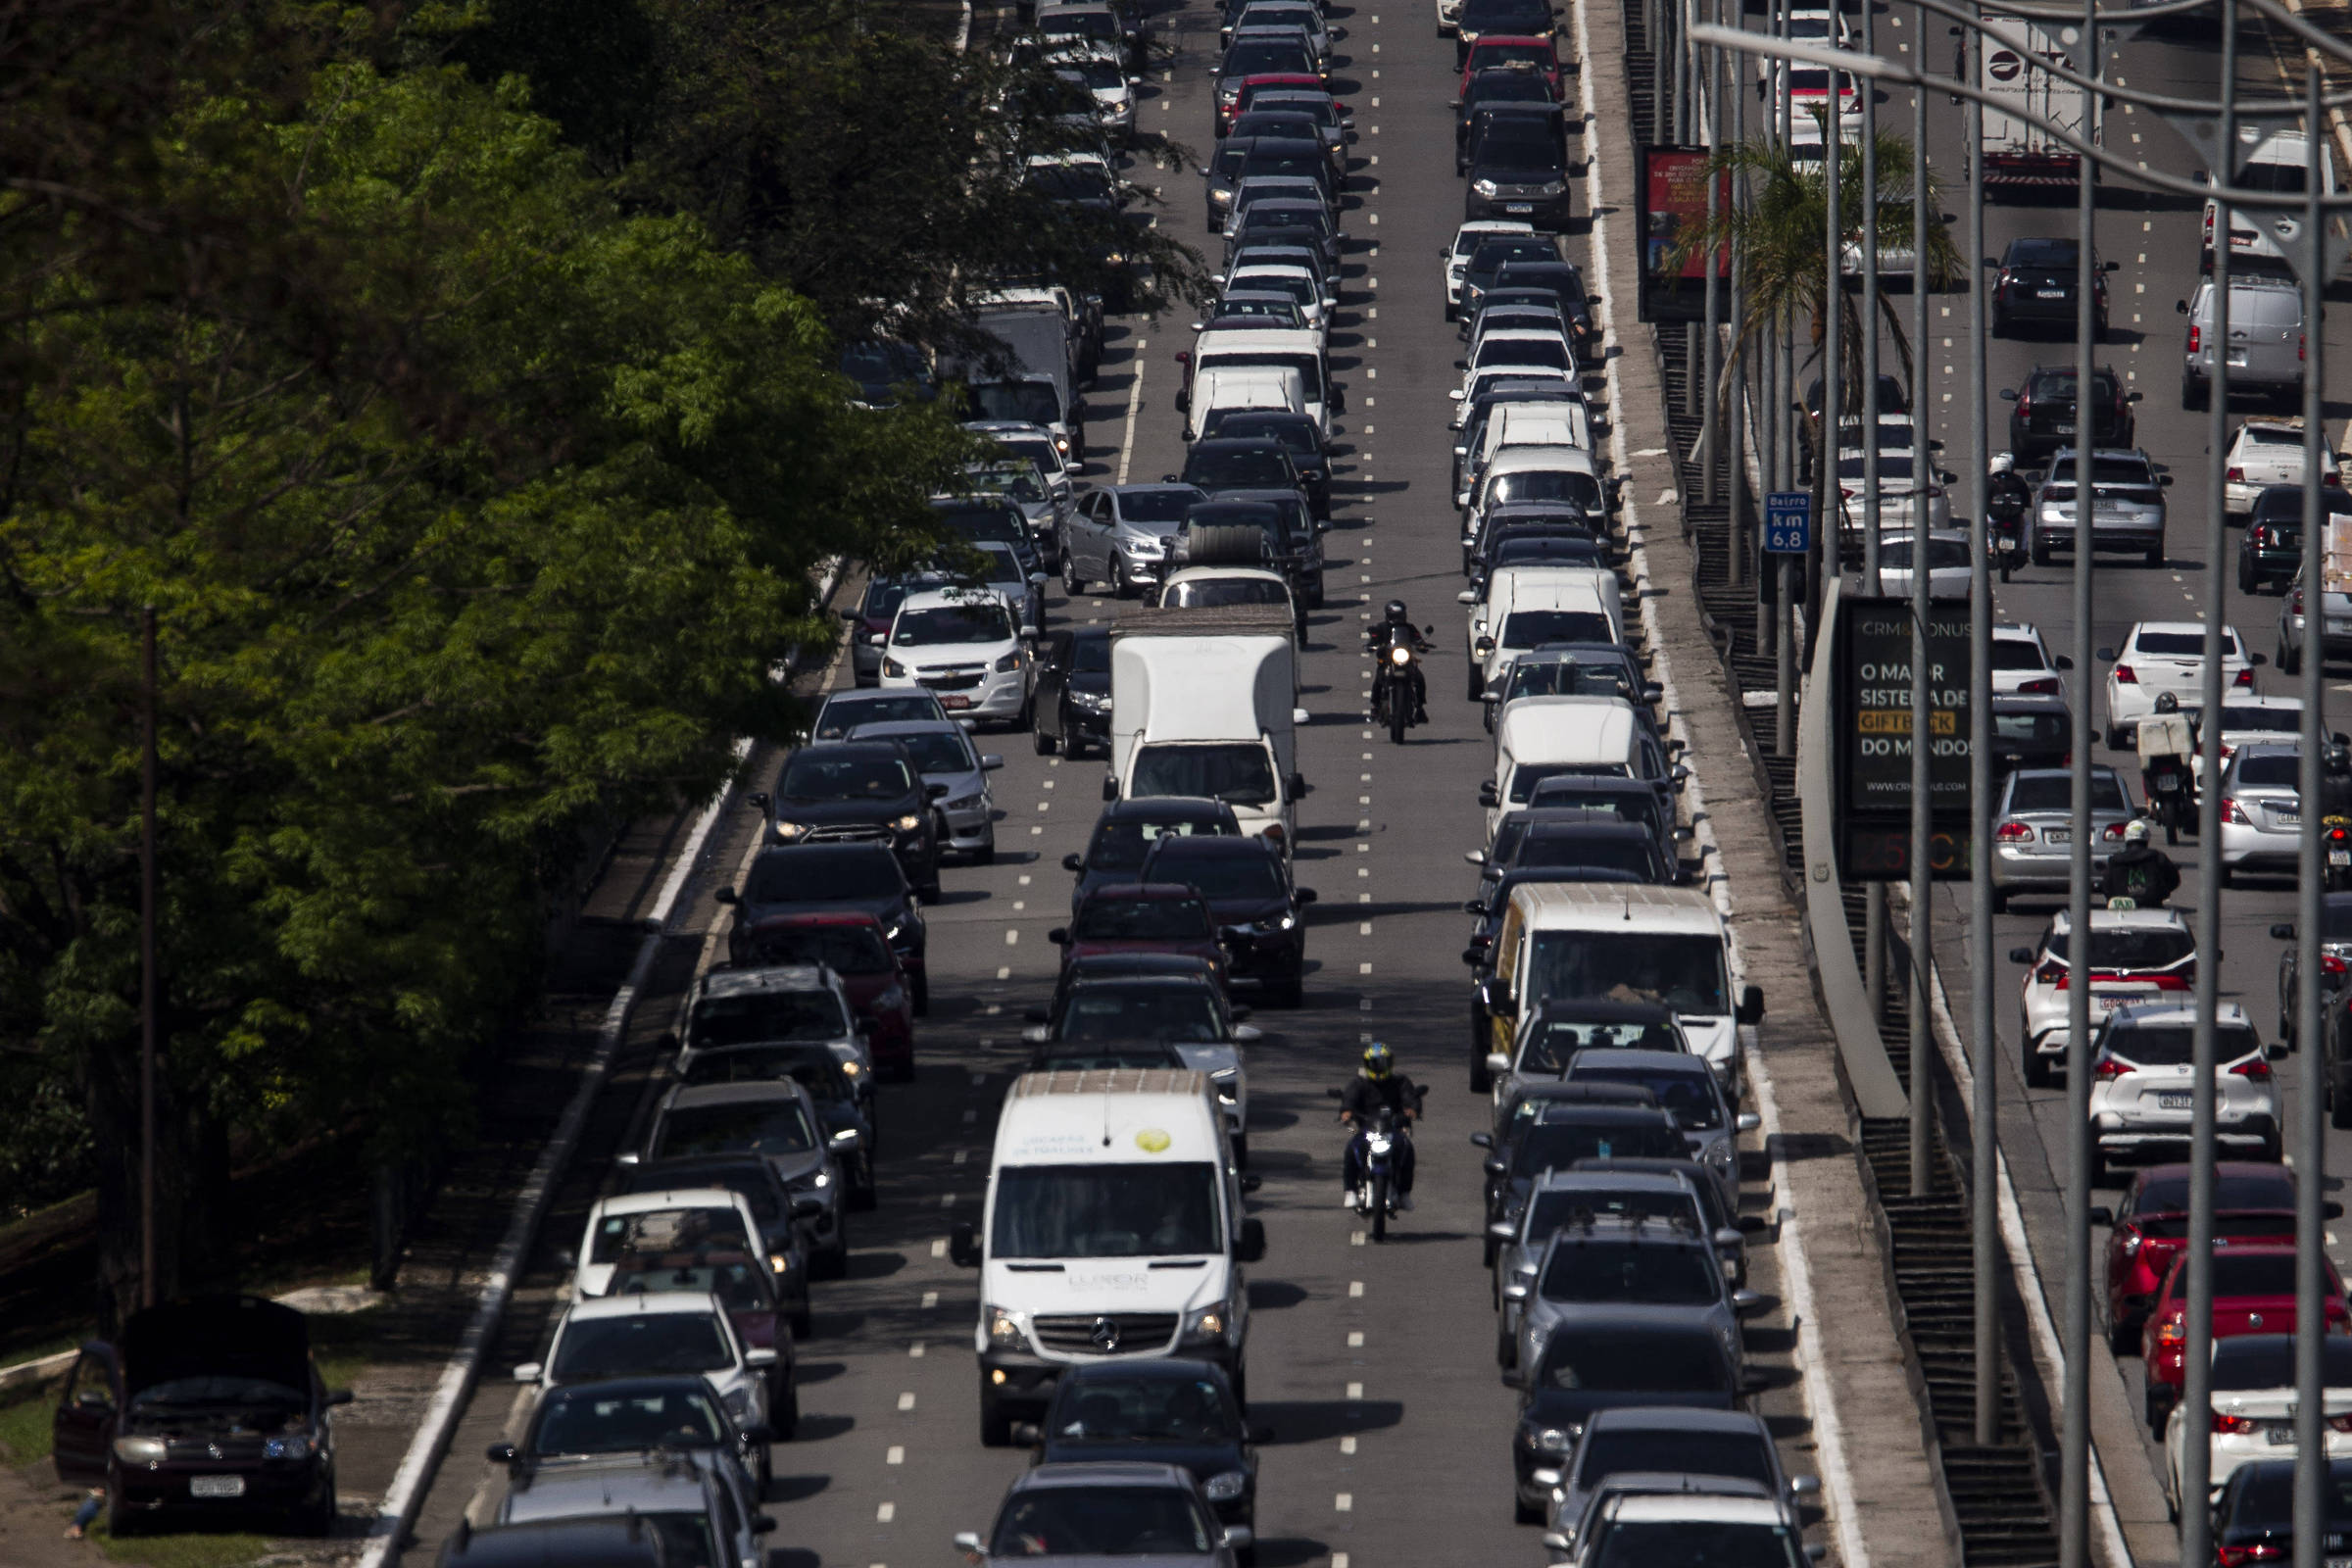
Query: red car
pixel 2253 1292
pixel 2252 1200
pixel 1141 917
pixel 855 947
pixel 1273 82
pixel 1502 52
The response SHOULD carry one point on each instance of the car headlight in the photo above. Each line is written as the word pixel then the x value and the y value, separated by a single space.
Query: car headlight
pixel 1223 198
pixel 1204 1326
pixel 896 930
pixel 908 823
pixel 821 1179
pixel 1139 546
pixel 738 1403
pixel 1552 188
pixel 1007 1330
pixel 1091 699
pixel 964 803
pixel 290 1445
pixel 892 668
pixel 1556 1440
pixel 1010 663
pixel 1226 1487
pixel 1288 922
pixel 139 1450
pixel 790 832
pixel 779 1262
pixel 1061 444
pixel 1719 1153
pixel 894 998
pixel 1485 187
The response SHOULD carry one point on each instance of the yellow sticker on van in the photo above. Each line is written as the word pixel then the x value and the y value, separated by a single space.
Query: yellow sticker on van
pixel 1152 1141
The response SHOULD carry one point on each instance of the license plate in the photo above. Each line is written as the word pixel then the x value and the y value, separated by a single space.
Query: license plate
pixel 2175 1102
pixel 955 700
pixel 2287 820
pixel 2282 1434
pixel 2049 294
pixel 2237 358
pixel 2057 835
pixel 2340 856
pixel 2167 783
pixel 1518 207
pixel 215 1486
pixel 2068 429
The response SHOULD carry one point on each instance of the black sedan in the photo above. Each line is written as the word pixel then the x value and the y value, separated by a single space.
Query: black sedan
pixel 1071 703
pixel 1298 432
pixel 857 792
pixel 2043 420
pixel 1260 913
pixel 823 879
pixel 1605 1366
pixel 1173 1412
pixel 2271 550
pixel 1127 830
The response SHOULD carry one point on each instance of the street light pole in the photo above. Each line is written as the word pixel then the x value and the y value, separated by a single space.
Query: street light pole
pixel 1707 368
pixel 1874 894
pixel 1833 312
pixel 1923 474
pixel 1727 67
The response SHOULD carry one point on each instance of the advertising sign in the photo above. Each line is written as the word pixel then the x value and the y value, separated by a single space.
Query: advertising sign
pixel 1672 191
pixel 1873 725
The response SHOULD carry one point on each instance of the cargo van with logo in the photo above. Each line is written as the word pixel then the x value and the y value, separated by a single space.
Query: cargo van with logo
pixel 1112 1228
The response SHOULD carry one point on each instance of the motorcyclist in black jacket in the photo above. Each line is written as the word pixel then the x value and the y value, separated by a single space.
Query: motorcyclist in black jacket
pixel 2139 871
pixel 1396 628
pixel 1379 1084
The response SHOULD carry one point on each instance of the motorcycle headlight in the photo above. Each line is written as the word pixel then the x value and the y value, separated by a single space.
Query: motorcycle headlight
pixel 1007 1330
pixel 893 668
pixel 1010 663
pixel 1485 187
pixel 1226 1487
pixel 908 823
pixel 1400 654
pixel 290 1445
pixel 1204 1326
pixel 139 1450
pixel 790 832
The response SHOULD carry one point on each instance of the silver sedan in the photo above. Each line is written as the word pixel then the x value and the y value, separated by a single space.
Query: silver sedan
pixel 2032 829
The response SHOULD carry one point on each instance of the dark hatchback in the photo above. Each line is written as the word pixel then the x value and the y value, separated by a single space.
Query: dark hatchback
pixel 845 1107
pixel 1261 917
pixel 1487 262
pixel 2035 284
pixel 826 879
pixel 857 792
pixel 1070 705
pixel 624 1415
pixel 854 945
pixel 2031 729
pixel 1607 1365
pixel 1228 462
pixel 1518 167
pixel 1173 1412
pixel 1296 433
pixel 2271 550
pixel 207 1409
pixel 1127 830
pixel 1141 917
pixel 1565 284
pixel 2044 419
pixel 1554 1130
pixel 1488 90
pixel 2254 1521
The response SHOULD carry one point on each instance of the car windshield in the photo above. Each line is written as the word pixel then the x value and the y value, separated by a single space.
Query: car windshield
pixel 1090 654
pixel 2175 1226
pixel 1116 918
pixel 594 1420
pixel 2181 644
pixel 1558 1144
pixel 1238 469
pixel 1527 775
pixel 766 1016
pixel 1632 1273
pixel 1551 352
pixel 1683 973
pixel 759 1126
pixel 814 1067
pixel 747 1177
pixel 1551 1042
pixel 1300 290
pixel 1554 1209
pixel 1159 1011
pixel 2171 1194
pixel 1035 448
pixel 1101 1522
pixel 2166 1045
pixel 2280 770
pixel 937 750
pixel 1240 774
pixel 1496 254
pixel 2273 721
pixel 2132 946
pixel 1107 1211
pixel 1658 1362
pixel 2279 176
pixel 2053 792
pixel 1696 1544
pixel 1690 1098
pixel 217 1388
pixel 846 950
pixel 1121 842
pixel 1285 310
pixel 641 1344
pixel 953 624
pixel 1669 1450
pixel 1160 505
pixel 1221 876
pixel 2268 1361
pixel 1265 59
pixel 1891 465
pixel 2012 653
pixel 741 1284
pixel 2059 386
pixel 1517 145
pixel 1490 56
pixel 1615 851
pixel 1297 434
pixel 1548 484
pixel 840 715
pixel 1162 1410
pixel 1020 482
pixel 1528 628
pixel 1214 593
pixel 1567 677
pixel 1016 401
pixel 822 773
pixel 822 874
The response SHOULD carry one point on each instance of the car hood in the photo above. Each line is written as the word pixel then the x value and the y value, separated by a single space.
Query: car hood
pixel 1240 912
pixel 237 1336
pixel 789 809
pixel 882 907
pixel 1557 1406
pixel 798 1167
pixel 1202 1459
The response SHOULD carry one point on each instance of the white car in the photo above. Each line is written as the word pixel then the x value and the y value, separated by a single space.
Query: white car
pixel 660 1331
pixel 2245 721
pixel 1948 564
pixel 2269 159
pixel 1456 256
pixel 964 647
pixel 2140 1091
pixel 2135 956
pixel 1299 283
pixel 687 1219
pixel 2022 663
pixel 2264 453
pixel 2254 1405
pixel 2262 811
pixel 1906 489
pixel 1521 349
pixel 2165 655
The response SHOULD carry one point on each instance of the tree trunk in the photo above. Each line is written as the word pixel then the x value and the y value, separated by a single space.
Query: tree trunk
pixel 192 1247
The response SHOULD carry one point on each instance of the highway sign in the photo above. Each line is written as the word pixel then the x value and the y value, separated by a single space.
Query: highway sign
pixel 1789 522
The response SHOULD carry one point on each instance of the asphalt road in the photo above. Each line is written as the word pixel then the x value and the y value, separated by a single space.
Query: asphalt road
pixel 1372 1365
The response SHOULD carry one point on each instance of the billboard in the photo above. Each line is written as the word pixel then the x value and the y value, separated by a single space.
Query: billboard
pixel 1873 726
pixel 1673 205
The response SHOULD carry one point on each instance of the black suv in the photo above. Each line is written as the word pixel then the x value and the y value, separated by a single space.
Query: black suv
pixel 1296 433
pixel 1518 167
pixel 1227 462
pixel 2043 420
pixel 857 792
pixel 2035 284
pixel 2271 550
pixel 1126 831
pixel 1261 915
pixel 1565 284
pixel 824 879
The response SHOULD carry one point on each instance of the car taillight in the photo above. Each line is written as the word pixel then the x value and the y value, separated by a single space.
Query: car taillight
pixel 2239 1557
pixel 2043 684
pixel 2236 475
pixel 2245 676
pixel 2331 479
pixel 2114 831
pixel 2123 675
pixel 2300 352
pixel 2013 832
pixel 2235 1423
pixel 2339 1423
pixel 2128 1240
pixel 2233 813
pixel 2295 603
pixel 2253 1067
pixel 1842 490
pixel 2108 1068
pixel 2052 973
pixel 2194 336
pixel 2329 964
pixel 2170 1332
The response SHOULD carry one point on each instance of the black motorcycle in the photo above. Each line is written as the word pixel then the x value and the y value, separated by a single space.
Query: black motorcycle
pixel 1396 680
pixel 2172 800
pixel 1378 1146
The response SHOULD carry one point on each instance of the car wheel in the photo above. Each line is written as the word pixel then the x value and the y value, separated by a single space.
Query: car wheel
pixel 2099 1173
pixel 317 1517
pixel 1073 582
pixel 921 987
pixel 1523 1513
pixel 1999 326
pixel 1475 685
pixel 763 1469
pixel 2156 556
pixel 2119 738
pixel 2040 552
pixel 2195 394
pixel 930 890
pixel 2290 660
pixel 2155 1405
pixel 1481 1080
pixel 2122 1337
pixel 802 1325
pixel 986 854
pixel 996 1425
pixel 2245 573
pixel 786 1422
pixel 2038 1069
pixel 2339 1102
pixel 2000 901
pixel 122 1522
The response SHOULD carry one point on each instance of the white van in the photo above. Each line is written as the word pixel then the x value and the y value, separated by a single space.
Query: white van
pixel 1535 473
pixel 2271 160
pixel 1243 386
pixel 1112 1228
pixel 1610 942
pixel 2266 339
pixel 1540 737
pixel 1521 608
pixel 1272 348
pixel 1552 422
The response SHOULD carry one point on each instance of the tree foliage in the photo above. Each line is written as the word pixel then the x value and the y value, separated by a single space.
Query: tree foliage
pixel 476 500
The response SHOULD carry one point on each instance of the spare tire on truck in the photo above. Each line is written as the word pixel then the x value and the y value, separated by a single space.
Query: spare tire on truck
pixel 1228 544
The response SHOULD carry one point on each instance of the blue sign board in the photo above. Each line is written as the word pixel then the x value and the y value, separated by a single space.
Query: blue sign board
pixel 1789 522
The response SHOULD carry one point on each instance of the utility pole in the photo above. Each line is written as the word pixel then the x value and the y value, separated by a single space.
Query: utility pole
pixel 147 978
pixel 1923 739
pixel 1706 368
pixel 1874 894
pixel 1828 520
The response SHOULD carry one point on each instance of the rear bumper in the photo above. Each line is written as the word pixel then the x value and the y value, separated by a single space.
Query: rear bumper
pixel 1546 213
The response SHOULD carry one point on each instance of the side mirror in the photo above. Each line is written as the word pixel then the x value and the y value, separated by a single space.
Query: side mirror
pixel 1474 908
pixel 1482 1140
pixel 963 1245
pixel 1297 787
pixel 1731 1236
pixel 528 1372
pixel 1553 1541
pixel 968 1542
pixel 1253 1246
pixel 2101 1214
pixel 1653 693
pixel 1747 1121
pixel 1751 1005
pixel 1240 1537
pixel 1027 1434
pixel 1252 1181
pixel 759 1355
pixel 1501 1229
pixel 1487 796
pixel 1496 1061
pixel 2105 656
pixel 1804 1485
pixel 2274 1051
pixel 759 799
pixel 2008 395
pixel 764 1524
pixel 2024 955
pixel 2329 1209
pixel 2063 662
pixel 2179 307
pixel 1484 645
pixel 1306 895
pixel 1247 1034
pixel 990 762
pixel 1516 1291
pixel 1036 1034
pixel 1073 862
pixel 1746 1302
pixel 340 1396
pixel 630 1157
pixel 1059 936
pixel 1475 856
pixel 723 896
pixel 2129 397
pixel 1110 788
pixel 1466 597
pixel 2258 659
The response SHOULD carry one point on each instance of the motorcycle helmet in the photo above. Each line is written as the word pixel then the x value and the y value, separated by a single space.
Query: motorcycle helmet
pixel 1395 611
pixel 2167 702
pixel 1379 1062
pixel 2135 831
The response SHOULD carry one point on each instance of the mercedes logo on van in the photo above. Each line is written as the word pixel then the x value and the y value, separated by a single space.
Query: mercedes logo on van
pixel 2253 1320
pixel 1104 1335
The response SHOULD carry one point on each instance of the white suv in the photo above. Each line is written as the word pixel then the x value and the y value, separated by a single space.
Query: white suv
pixel 662 1332
pixel 2167 656
pixel 2141 1092
pixel 964 647
pixel 2135 956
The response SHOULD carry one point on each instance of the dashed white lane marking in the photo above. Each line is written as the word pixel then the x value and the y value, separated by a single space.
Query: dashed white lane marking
pixel 1356 1336
pixel 1355 1238
pixel 939 1249
pixel 1356 1391
pixel 914 1352
pixel 906 1401
pixel 1003 973
pixel 1347 1445
pixel 1355 1288
pixel 931 1297
pixel 886 1513
pixel 1025 876
pixel 948 1199
pixel 895 1454
pixel 1344 1502
pixel 1363 928
pixel 962 1155
pixel 1044 805
pixel 1035 832
pixel 1018 905
pixel 1012 938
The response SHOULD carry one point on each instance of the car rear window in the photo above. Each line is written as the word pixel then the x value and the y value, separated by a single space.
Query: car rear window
pixel 2168 1045
pixel 2229 1191
pixel 1674 1452
pixel 2263 1273
pixel 2013 652
pixel 2054 791
pixel 2135 947
pixel 1632 1274
pixel 1662 1362
pixel 2268 1361
pixel 2177 643
pixel 2270 770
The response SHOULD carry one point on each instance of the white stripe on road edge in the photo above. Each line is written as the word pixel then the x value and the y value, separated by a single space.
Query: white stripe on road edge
pixel 1813 1384
pixel 1134 400
pixel 411 1483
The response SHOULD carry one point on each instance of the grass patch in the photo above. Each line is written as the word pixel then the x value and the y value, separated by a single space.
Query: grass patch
pixel 200 1549
pixel 25 1427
